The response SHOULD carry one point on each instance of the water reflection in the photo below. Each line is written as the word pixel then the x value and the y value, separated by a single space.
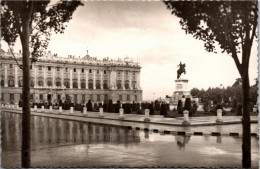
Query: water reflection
pixel 182 141
pixel 48 131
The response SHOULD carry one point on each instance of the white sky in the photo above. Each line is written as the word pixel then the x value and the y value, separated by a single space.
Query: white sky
pixel 147 32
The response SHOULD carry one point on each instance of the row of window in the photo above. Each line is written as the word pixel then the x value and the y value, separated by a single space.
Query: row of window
pixel 74 84
pixel 11 96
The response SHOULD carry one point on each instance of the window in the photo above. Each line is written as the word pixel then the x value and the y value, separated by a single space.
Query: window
pixel 82 70
pixel 128 97
pixel 41 97
pixel 91 97
pixel 133 73
pixel 49 82
pixel 40 67
pixel 135 97
pixel 118 73
pixel 105 72
pixel 83 84
pixel 90 84
pixel 58 69
pixel 120 98
pixel 98 97
pixel 97 71
pixel 11 81
pixel 11 66
pixel 40 83
pixel 2 82
pixel 49 68
pixel 58 97
pixel 134 84
pixel 119 85
pixel 20 83
pixel 83 98
pixel 126 84
pixel 75 84
pixel 66 69
pixel 126 72
pixel 58 82
pixel 105 84
pixel 12 97
pixel 90 71
pixel 75 97
pixel 67 83
pixel 75 70
pixel 98 84
pixel 31 96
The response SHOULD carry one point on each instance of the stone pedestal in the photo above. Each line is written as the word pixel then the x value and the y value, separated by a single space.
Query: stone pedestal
pixel 51 109
pixel 42 108
pixel 186 121
pixel 121 113
pixel 101 115
pixel 16 105
pixel 219 116
pixel 60 109
pixel 35 107
pixel 71 110
pixel 147 113
pixel 85 111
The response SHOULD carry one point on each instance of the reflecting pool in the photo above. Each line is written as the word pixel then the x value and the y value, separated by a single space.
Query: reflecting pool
pixel 63 143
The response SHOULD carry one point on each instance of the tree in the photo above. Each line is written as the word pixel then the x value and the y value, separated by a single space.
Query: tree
pixel 195 92
pixel 179 107
pixel 33 22
pixel 232 25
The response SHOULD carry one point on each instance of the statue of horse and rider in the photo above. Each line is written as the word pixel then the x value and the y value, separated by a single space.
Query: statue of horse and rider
pixel 181 70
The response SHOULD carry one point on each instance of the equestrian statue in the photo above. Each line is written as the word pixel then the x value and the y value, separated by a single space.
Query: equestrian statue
pixel 181 70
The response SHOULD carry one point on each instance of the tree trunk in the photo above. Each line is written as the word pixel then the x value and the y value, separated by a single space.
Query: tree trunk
pixel 246 142
pixel 26 135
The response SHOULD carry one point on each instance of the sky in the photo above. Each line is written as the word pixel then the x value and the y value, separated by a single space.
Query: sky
pixel 150 35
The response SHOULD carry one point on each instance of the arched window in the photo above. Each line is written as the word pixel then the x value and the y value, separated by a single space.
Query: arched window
pixel 126 84
pixel 58 82
pixel 49 82
pixel 105 86
pixel 119 85
pixel 40 81
pixel 90 84
pixel 98 86
pixel 11 81
pixel 83 83
pixel 67 83
pixel 75 83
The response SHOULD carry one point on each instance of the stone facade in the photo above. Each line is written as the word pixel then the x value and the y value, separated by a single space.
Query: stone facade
pixel 56 78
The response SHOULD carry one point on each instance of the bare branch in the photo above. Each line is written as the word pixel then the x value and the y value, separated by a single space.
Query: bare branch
pixel 20 66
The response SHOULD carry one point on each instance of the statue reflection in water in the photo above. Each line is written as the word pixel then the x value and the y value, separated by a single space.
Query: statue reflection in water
pixel 182 140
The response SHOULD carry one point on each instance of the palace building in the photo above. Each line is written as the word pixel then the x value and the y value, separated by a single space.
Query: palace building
pixel 55 78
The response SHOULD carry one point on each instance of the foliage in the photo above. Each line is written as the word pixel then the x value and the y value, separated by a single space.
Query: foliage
pixel 89 106
pixel 187 105
pixel 179 107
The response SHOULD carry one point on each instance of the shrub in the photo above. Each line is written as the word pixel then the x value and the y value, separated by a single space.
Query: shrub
pixel 95 106
pixel 151 108
pixel 89 106
pixel 163 110
pixel 239 109
pixel 110 107
pixel 179 107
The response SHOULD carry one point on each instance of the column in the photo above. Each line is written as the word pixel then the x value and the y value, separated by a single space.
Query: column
pixel 138 80
pixel 114 79
pixel 44 76
pixel 71 78
pixel 15 76
pixel 53 76
pixel 86 79
pixel 94 79
pixel 62 76
pixel 79 87
pixel 130 80
pixel 101 79
pixel 111 79
pixel 123 80
pixel 35 76
pixel 6 80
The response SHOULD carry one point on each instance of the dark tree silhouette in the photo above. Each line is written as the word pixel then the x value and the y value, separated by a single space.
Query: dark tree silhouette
pixel 33 22
pixel 232 25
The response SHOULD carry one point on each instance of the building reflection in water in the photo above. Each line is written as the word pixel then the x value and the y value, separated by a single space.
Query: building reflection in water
pixel 50 131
